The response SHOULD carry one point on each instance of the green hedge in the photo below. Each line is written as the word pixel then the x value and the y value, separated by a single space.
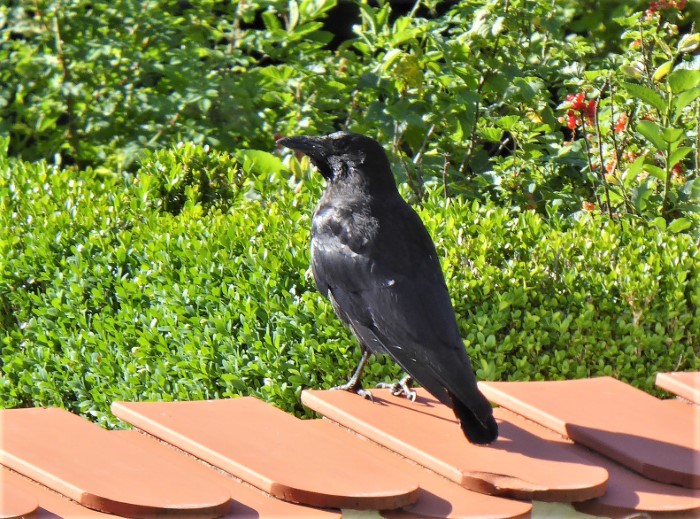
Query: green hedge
pixel 478 97
pixel 191 280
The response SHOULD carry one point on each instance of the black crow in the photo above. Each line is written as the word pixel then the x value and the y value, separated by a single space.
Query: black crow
pixel 373 258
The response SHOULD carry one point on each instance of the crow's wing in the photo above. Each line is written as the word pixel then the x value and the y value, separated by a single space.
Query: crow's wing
pixel 386 283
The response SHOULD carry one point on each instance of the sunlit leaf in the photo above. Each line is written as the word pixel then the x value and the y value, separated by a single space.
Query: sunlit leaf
pixel 652 131
pixel 649 96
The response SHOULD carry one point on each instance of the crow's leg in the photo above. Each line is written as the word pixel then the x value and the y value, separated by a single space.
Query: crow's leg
pixel 354 383
pixel 402 387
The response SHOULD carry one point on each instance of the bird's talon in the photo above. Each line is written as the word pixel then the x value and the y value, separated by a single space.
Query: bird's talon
pixel 402 387
pixel 365 393
pixel 354 388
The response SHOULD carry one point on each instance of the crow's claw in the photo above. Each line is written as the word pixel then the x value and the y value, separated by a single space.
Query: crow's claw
pixel 354 385
pixel 402 387
pixel 355 388
pixel 365 393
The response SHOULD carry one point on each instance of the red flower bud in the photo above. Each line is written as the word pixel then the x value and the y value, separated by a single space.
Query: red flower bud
pixel 591 109
pixel 621 124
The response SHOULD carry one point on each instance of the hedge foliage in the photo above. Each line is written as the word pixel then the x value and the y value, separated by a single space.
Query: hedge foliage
pixel 475 95
pixel 120 286
pixel 154 243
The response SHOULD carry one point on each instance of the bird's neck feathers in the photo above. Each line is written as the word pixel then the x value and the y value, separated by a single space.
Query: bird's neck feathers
pixel 361 174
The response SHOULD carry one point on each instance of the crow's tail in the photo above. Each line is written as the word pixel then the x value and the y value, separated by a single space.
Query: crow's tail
pixel 476 420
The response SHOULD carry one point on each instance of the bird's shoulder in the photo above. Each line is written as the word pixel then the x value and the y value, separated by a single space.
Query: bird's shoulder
pixel 383 236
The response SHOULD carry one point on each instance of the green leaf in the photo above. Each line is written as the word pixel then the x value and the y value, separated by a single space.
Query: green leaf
pixel 634 70
pixel 262 161
pixel 407 71
pixel 592 75
pixel 662 71
pixel 660 223
pixel 653 133
pixel 293 15
pixel 633 171
pixel 672 135
pixel 390 58
pixel 479 25
pixel 491 134
pixel 681 80
pixel 688 43
pixel 508 122
pixel 271 22
pixel 646 94
pixel 667 50
pixel 655 171
pixel 526 88
pixel 678 155
pixel 684 99
pixel 679 225
pixel 640 195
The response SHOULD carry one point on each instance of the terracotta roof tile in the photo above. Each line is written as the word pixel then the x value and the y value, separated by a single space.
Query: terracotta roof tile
pixel 684 384
pixel 52 504
pixel 273 451
pixel 246 501
pixel 626 490
pixel 624 423
pixel 438 496
pixel 14 500
pixel 519 464
pixel 101 470
pixel 73 463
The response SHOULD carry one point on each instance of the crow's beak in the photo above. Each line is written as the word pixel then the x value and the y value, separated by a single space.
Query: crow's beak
pixel 312 146
pixel 316 148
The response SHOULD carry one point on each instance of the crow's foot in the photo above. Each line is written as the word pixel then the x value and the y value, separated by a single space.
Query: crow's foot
pixel 354 388
pixel 354 385
pixel 402 387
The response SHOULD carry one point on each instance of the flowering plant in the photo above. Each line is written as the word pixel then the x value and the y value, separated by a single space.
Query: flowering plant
pixel 640 122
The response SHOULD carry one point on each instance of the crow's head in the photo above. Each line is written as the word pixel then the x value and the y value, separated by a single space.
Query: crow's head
pixel 342 155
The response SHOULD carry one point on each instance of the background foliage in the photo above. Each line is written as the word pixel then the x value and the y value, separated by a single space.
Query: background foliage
pixel 155 243
pixel 108 292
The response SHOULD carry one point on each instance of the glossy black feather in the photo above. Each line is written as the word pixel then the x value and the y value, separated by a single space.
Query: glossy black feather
pixel 372 256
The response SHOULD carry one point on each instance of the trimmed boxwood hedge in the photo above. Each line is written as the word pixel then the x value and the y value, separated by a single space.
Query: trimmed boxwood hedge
pixel 190 279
